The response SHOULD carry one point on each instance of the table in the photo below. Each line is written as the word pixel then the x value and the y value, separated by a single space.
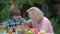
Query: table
pixel 38 33
pixel 13 33
pixel 3 32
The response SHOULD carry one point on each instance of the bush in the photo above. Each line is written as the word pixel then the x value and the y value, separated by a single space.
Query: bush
pixel 4 12
pixel 55 25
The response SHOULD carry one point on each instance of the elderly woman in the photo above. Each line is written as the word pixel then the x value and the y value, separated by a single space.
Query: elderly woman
pixel 39 21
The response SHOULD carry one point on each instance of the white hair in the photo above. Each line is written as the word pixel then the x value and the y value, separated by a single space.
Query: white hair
pixel 35 12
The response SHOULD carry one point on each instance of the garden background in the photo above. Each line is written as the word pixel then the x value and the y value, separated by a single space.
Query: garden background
pixel 51 9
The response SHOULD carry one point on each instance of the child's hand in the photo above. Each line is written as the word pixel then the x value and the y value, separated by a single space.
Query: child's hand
pixel 28 28
pixel 22 27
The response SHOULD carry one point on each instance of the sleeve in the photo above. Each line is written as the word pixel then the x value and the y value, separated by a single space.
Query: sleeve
pixel 50 28
pixel 24 22
pixel 8 26
pixel 47 27
pixel 29 23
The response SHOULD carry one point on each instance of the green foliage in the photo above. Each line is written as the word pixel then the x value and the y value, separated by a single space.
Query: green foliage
pixel 4 13
pixel 58 14
pixel 31 2
pixel 45 9
pixel 5 5
pixel 2 5
pixel 26 17
pixel 57 1
pixel 56 28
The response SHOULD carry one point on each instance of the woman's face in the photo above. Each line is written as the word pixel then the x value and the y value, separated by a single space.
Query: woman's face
pixel 33 16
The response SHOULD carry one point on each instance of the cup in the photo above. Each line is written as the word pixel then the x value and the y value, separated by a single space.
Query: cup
pixel 19 31
pixel 42 32
pixel 10 31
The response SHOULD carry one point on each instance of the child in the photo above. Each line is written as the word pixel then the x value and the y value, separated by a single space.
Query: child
pixel 15 19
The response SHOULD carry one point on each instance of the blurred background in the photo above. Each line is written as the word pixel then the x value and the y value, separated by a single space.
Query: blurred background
pixel 51 9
